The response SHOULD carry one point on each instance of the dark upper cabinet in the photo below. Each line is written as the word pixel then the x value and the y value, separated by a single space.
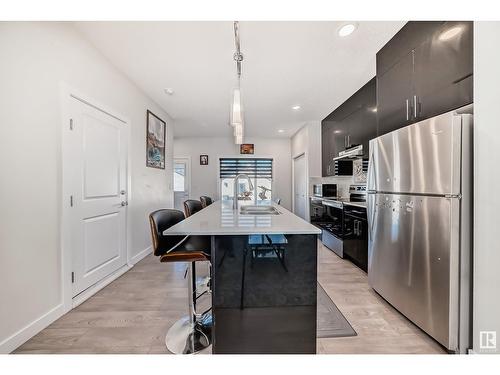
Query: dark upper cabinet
pixel 424 70
pixel 362 124
pixel 443 70
pixel 394 91
pixel 353 123
pixel 332 142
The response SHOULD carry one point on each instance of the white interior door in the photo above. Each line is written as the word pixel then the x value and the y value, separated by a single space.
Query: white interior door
pixel 181 182
pixel 300 187
pixel 98 159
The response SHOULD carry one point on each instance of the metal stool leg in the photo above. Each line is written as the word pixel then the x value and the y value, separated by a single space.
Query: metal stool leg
pixel 186 336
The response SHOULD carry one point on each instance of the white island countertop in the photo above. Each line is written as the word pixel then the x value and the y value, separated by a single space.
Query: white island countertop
pixel 219 219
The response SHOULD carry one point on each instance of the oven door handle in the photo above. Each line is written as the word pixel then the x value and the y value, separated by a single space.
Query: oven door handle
pixel 357 212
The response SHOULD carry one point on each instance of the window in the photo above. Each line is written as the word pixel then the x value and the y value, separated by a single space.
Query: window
pixel 179 176
pixel 259 170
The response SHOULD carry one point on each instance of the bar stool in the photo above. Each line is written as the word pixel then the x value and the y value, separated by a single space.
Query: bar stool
pixel 192 333
pixel 259 246
pixel 205 201
pixel 192 206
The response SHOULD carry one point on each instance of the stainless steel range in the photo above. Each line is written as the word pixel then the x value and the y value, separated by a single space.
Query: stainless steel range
pixel 334 223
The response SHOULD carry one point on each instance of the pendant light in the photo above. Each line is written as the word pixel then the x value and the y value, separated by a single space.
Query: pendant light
pixel 236 115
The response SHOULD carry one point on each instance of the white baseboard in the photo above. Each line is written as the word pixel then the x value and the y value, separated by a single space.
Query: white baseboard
pixel 138 257
pixel 89 292
pixel 24 334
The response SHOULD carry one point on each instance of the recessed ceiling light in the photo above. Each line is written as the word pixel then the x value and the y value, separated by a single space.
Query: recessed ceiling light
pixel 450 33
pixel 280 131
pixel 374 109
pixel 296 107
pixel 347 29
pixel 338 131
pixel 169 91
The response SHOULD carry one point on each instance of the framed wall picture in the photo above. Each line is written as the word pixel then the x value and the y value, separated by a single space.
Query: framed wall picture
pixel 246 148
pixel 203 159
pixel 155 141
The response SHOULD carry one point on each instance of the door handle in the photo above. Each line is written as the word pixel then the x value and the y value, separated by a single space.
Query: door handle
pixel 407 110
pixel 124 203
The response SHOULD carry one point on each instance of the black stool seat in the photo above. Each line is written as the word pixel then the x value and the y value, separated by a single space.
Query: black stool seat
pixel 205 201
pixel 192 206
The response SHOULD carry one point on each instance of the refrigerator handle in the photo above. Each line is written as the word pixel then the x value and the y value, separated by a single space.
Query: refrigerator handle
pixel 415 106
pixel 371 214
pixel 372 183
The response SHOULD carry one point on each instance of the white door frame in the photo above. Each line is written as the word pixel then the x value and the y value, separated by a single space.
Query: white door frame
pixel 188 163
pixel 306 198
pixel 67 94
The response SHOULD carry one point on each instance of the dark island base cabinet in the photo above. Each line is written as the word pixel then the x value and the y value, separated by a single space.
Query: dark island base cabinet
pixel 423 71
pixel 278 314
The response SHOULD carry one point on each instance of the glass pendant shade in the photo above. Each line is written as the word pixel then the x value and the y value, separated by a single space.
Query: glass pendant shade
pixel 236 108
pixel 238 130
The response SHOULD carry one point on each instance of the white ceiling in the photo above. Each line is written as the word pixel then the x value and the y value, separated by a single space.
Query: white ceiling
pixel 285 64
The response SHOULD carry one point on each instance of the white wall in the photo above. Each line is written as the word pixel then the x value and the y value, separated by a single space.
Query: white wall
pixel 36 57
pixel 205 179
pixel 308 139
pixel 486 181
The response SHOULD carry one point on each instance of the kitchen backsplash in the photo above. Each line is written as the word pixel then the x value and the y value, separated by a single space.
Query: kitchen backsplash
pixel 343 182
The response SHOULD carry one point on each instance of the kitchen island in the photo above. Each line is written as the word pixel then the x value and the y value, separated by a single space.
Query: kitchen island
pixel 264 275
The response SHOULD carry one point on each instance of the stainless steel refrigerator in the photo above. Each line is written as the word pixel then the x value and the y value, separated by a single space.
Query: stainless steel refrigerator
pixel 419 224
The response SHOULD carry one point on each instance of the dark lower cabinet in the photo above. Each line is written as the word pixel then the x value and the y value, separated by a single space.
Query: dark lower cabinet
pixel 355 227
pixel 264 300
pixel 423 71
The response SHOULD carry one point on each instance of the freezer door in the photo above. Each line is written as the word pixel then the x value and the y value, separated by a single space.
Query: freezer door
pixel 413 259
pixel 423 158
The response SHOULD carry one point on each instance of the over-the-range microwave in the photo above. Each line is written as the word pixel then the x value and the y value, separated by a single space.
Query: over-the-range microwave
pixel 325 190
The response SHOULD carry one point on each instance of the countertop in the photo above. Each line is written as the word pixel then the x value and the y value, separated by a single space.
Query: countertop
pixel 220 219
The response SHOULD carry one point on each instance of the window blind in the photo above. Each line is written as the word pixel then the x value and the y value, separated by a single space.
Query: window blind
pixel 253 167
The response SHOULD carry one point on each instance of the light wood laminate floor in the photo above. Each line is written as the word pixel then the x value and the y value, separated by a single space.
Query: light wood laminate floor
pixel 133 313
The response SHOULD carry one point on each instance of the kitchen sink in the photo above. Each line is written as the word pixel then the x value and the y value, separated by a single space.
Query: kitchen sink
pixel 259 210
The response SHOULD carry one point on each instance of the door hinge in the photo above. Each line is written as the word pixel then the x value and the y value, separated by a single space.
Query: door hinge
pixel 71 201
pixel 72 277
pixel 70 124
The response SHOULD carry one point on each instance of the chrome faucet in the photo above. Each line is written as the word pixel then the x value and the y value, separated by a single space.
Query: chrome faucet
pixel 235 190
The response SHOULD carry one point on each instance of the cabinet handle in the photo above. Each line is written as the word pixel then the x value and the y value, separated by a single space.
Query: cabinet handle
pixel 415 106
pixel 407 110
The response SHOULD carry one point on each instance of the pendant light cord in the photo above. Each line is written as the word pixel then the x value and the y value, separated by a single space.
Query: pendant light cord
pixel 238 56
